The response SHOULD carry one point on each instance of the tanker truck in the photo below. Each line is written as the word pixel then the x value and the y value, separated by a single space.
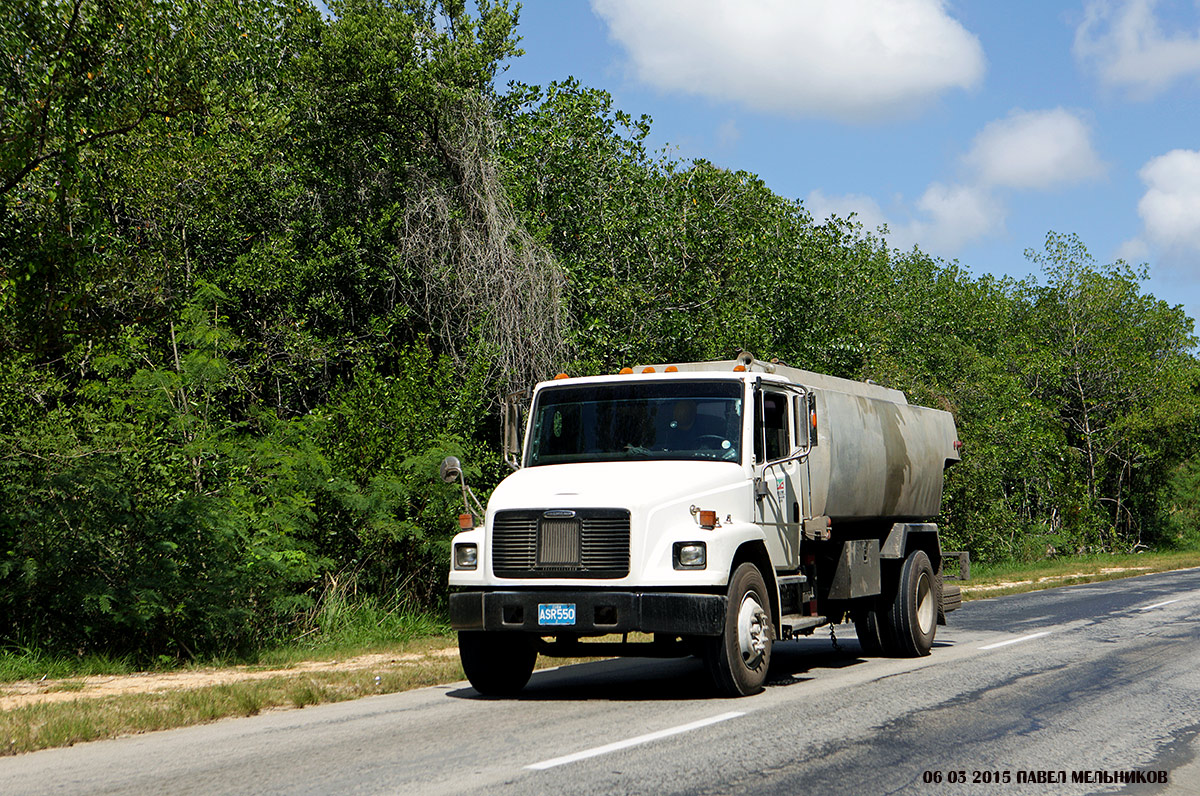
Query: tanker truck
pixel 708 509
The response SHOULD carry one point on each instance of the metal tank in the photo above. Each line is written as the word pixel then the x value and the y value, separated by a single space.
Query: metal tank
pixel 877 456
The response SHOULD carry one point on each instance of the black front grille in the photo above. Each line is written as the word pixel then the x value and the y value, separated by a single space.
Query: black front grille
pixel 594 543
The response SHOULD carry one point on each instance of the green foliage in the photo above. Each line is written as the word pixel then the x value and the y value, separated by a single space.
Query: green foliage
pixel 345 619
pixel 1181 504
pixel 260 270
pixel 1116 367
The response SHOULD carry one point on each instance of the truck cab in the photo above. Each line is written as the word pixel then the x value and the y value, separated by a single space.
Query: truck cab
pixel 717 508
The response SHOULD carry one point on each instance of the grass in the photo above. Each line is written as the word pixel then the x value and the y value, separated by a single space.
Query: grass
pixel 48 724
pixel 994 580
pixel 25 663
pixel 349 630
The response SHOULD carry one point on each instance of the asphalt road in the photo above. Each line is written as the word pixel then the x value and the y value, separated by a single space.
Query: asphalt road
pixel 1019 693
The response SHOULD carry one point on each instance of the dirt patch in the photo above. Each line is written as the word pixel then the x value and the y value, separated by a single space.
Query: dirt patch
pixel 27 692
pixel 1008 584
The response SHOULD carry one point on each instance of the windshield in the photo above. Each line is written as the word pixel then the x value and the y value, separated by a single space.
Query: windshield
pixel 681 420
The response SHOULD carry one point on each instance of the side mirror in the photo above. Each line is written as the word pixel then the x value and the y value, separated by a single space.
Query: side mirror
pixel 450 469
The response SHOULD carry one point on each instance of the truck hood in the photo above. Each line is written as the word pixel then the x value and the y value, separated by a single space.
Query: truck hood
pixel 637 486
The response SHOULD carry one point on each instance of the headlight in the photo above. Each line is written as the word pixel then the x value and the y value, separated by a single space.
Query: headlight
pixel 690 555
pixel 466 556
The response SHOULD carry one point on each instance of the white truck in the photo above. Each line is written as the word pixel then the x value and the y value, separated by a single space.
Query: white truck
pixel 712 507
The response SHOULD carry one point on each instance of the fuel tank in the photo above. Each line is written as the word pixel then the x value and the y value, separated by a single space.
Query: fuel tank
pixel 877 456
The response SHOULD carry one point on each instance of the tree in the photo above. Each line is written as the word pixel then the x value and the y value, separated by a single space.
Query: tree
pixel 1117 366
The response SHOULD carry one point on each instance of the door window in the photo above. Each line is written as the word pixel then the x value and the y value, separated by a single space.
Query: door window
pixel 774 430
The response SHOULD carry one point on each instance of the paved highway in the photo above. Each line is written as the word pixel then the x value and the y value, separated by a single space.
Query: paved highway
pixel 1053 692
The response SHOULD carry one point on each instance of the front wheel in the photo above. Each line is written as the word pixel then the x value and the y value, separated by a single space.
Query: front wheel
pixel 738 659
pixel 912 615
pixel 497 664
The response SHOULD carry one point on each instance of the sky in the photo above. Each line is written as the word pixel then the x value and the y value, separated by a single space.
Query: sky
pixel 970 128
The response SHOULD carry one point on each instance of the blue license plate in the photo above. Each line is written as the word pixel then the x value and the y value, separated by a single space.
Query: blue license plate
pixel 556 613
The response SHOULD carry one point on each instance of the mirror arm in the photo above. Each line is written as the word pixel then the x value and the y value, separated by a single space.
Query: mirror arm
pixel 481 512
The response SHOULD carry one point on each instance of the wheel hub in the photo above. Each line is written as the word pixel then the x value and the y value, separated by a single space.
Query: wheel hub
pixel 753 631
pixel 925 604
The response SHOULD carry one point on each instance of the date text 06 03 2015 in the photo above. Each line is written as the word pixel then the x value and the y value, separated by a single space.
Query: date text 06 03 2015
pixel 1022 776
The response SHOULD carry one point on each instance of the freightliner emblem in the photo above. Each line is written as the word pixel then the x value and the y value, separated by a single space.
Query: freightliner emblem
pixel 558 514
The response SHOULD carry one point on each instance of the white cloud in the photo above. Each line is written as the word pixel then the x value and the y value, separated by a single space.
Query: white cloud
pixel 946 217
pixel 1026 150
pixel 865 210
pixel 956 215
pixel 1034 149
pixel 1170 208
pixel 849 60
pixel 1126 45
pixel 1133 251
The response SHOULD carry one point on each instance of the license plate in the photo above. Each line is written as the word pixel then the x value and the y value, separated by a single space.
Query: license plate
pixel 556 613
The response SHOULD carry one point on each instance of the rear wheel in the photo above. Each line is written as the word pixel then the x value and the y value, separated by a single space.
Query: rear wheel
pixel 912 615
pixel 868 626
pixel 738 659
pixel 497 664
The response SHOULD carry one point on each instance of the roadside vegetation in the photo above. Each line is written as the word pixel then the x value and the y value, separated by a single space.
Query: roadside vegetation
pixel 66 712
pixel 995 580
pixel 261 269
pixel 63 702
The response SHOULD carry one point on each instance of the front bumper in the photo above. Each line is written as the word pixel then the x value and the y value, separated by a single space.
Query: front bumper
pixel 596 612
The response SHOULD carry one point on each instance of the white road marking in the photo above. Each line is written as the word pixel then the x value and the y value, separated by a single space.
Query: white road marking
pixel 641 739
pixel 1160 605
pixel 1030 637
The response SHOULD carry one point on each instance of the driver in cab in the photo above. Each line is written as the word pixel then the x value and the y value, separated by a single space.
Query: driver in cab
pixel 682 432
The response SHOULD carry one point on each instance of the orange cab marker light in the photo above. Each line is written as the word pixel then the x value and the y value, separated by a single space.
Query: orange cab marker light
pixel 739 368
pixel 813 419
pixel 708 520
pixel 670 369
pixel 561 376
pixel 625 371
pixel 466 522
pixel 647 369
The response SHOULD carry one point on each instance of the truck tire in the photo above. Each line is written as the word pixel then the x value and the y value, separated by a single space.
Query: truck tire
pixel 497 664
pixel 738 659
pixel 868 626
pixel 912 615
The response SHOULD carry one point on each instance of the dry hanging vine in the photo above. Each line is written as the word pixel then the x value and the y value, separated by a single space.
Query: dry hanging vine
pixel 491 292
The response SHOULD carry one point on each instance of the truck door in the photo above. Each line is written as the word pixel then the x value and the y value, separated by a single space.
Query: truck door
pixel 777 507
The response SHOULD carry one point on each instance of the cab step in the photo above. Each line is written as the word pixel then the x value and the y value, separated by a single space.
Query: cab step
pixel 792 625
